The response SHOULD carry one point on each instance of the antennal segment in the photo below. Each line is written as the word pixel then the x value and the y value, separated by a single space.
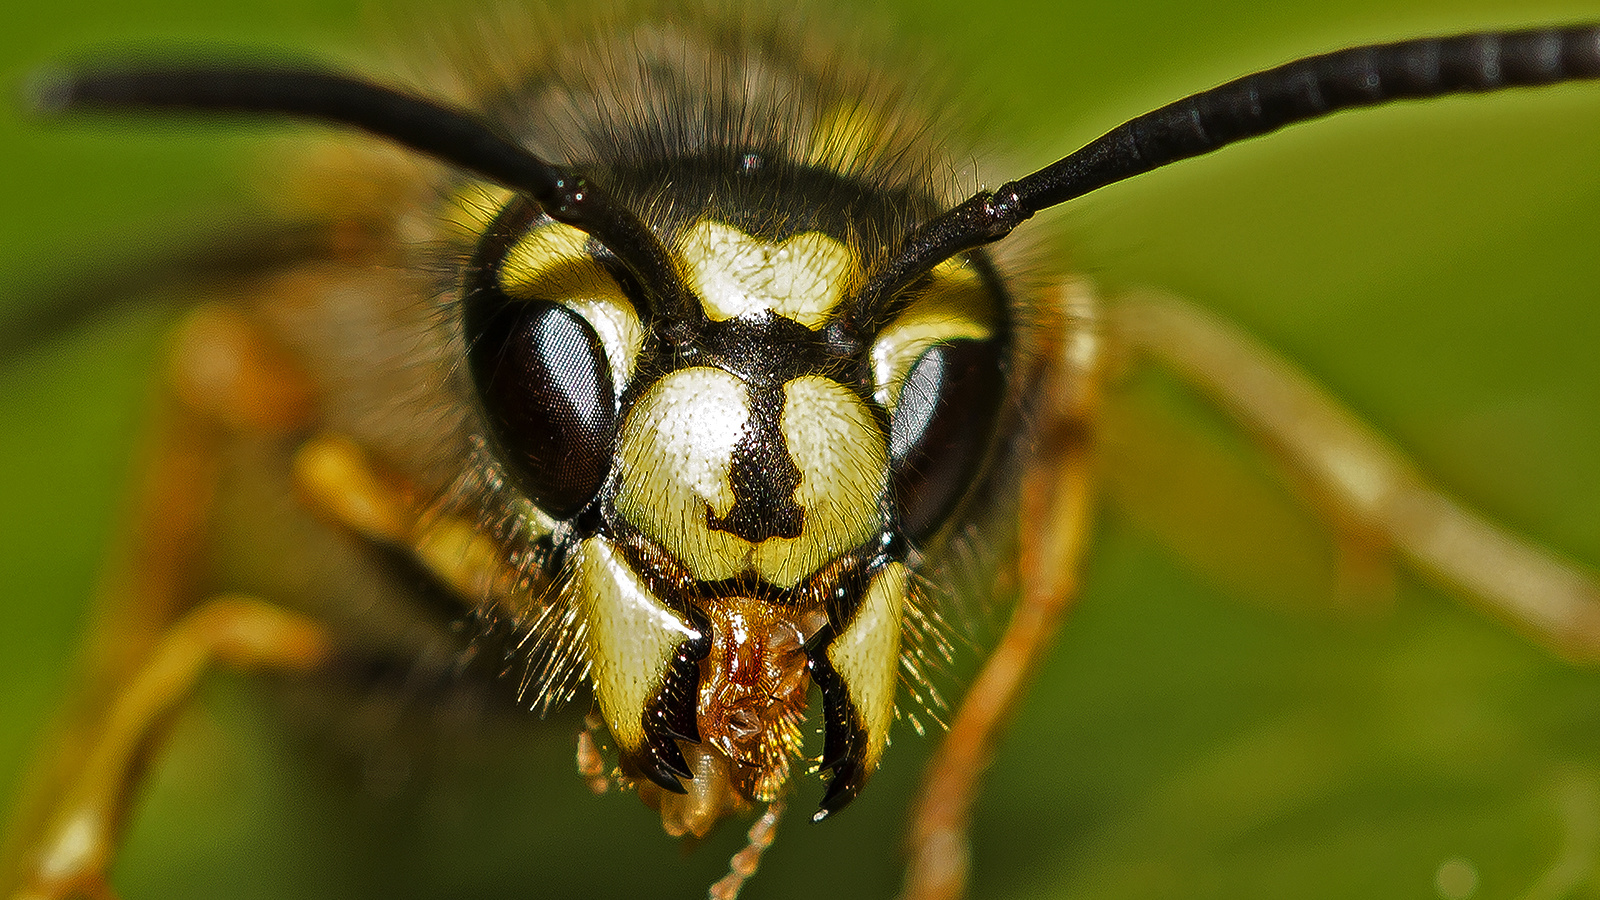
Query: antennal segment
pixel 1250 106
pixel 447 134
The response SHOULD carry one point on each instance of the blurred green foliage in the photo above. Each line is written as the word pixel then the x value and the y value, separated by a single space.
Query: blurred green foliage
pixel 1192 736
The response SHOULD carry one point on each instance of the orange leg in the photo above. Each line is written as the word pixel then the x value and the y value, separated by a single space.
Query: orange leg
pixel 149 643
pixel 1363 483
pixel 76 848
pixel 337 481
pixel 1054 519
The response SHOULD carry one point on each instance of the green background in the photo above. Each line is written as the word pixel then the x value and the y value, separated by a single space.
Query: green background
pixel 1243 733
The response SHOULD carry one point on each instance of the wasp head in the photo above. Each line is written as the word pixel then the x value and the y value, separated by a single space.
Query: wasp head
pixel 740 485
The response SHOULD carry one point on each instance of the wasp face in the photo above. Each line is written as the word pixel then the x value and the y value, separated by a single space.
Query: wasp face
pixel 735 492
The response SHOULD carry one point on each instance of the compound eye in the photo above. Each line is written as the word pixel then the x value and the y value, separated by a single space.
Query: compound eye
pixel 941 428
pixel 541 371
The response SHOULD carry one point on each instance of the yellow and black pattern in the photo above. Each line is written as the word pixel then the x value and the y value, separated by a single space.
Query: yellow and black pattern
pixel 767 464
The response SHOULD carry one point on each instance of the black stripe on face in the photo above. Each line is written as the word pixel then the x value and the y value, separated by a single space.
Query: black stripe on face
pixel 764 478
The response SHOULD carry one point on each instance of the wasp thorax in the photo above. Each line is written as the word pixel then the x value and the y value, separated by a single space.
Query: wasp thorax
pixel 739 491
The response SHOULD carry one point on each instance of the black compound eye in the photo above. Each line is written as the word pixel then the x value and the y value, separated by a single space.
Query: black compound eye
pixel 941 429
pixel 542 373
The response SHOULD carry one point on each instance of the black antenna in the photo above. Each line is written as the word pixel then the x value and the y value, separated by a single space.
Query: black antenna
pixel 1250 106
pixel 450 135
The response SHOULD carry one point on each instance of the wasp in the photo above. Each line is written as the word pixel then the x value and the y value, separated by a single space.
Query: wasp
pixel 1567 793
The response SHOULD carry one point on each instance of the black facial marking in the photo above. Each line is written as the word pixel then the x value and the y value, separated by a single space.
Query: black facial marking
pixel 768 349
pixel 764 478
pixel 670 716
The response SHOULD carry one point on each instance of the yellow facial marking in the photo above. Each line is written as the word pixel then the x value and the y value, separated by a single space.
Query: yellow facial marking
pixel 734 274
pixel 836 444
pixel 630 637
pixel 616 323
pixel 677 452
pixel 956 305
pixel 552 263
pixel 677 448
pixel 867 657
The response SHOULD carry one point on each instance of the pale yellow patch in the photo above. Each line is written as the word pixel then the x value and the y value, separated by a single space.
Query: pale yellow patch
pixel 839 449
pixel 617 324
pixel 867 657
pixel 736 275
pixel 956 306
pixel 629 635
pixel 677 455
pixel 552 263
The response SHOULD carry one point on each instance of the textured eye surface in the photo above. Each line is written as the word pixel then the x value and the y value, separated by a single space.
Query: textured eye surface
pixel 542 373
pixel 942 425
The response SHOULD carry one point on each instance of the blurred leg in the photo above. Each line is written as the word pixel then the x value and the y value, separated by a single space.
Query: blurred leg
pixel 149 644
pixel 77 847
pixel 1054 524
pixel 1365 484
